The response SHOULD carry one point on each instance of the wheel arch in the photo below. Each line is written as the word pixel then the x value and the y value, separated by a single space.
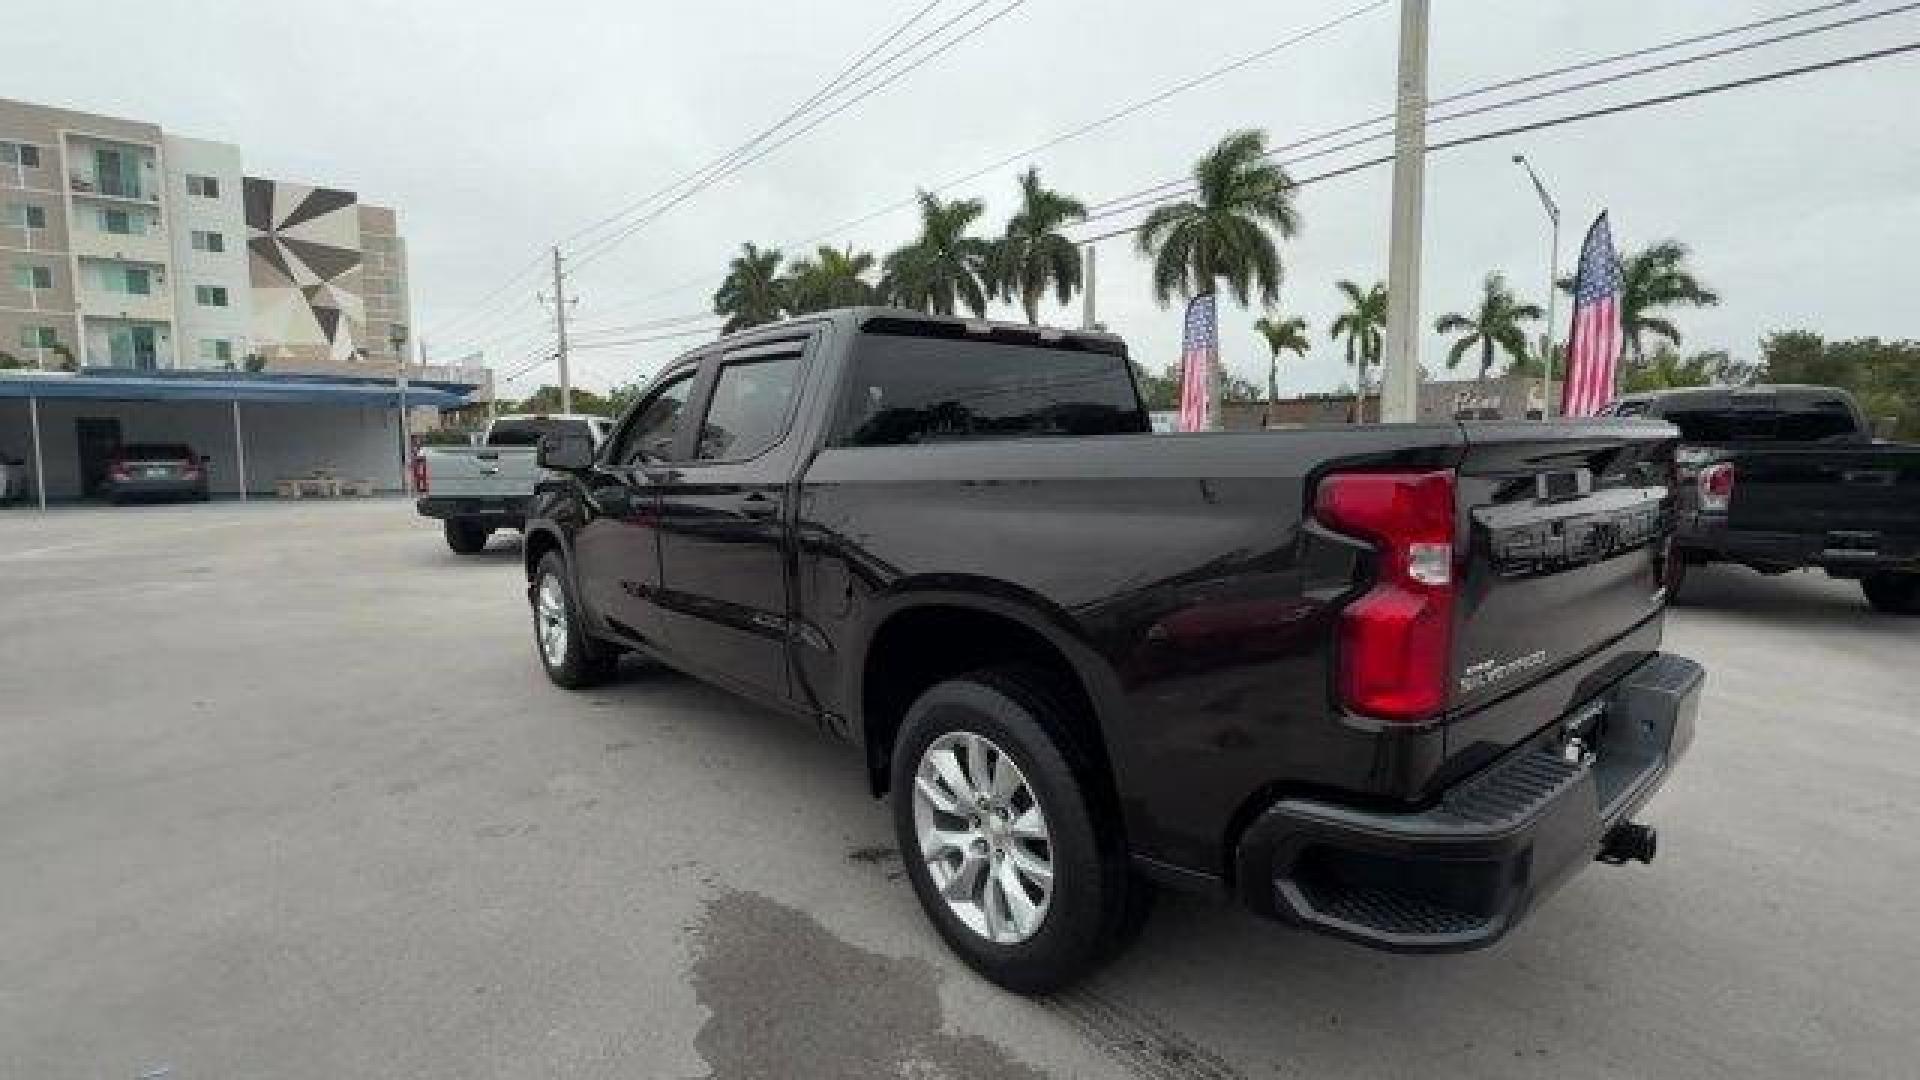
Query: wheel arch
pixel 921 634
pixel 536 542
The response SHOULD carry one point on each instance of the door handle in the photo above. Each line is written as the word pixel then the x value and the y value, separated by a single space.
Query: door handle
pixel 759 505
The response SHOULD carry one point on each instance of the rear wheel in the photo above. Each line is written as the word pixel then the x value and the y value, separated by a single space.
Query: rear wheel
pixel 465 537
pixel 1895 594
pixel 1021 875
pixel 571 657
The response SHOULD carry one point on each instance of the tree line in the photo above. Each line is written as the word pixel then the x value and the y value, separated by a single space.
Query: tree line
pixel 1225 237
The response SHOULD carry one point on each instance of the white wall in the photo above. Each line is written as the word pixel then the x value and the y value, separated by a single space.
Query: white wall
pixel 281 440
pixel 228 268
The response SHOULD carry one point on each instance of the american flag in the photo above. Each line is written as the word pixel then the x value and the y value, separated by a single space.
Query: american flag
pixel 1199 352
pixel 1593 351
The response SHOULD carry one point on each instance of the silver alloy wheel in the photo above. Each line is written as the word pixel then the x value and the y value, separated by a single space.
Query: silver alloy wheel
pixel 550 619
pixel 983 836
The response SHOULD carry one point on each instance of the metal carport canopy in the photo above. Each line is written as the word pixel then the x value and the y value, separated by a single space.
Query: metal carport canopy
pixel 222 386
pixel 307 390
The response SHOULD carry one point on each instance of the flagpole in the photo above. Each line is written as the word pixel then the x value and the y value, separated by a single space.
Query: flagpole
pixel 1553 272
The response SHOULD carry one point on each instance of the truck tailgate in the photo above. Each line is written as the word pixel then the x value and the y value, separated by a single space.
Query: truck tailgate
pixel 1827 489
pixel 1566 529
pixel 480 473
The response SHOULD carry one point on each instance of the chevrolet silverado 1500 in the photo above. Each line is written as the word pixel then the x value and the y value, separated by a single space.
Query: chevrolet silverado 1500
pixel 1390 683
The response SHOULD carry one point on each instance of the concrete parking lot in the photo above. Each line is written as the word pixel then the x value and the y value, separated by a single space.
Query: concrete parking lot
pixel 284 794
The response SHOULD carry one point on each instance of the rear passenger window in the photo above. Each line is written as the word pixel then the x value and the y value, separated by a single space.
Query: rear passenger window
pixel 751 402
pixel 913 389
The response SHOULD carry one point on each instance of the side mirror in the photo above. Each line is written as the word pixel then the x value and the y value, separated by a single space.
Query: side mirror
pixel 565 453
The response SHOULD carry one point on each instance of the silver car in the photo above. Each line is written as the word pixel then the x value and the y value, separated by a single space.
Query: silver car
pixel 155 471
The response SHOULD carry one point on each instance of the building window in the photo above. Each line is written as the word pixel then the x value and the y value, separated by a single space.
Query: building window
pixel 25 155
pixel 210 295
pixel 26 216
pixel 39 337
pixel 207 187
pixel 32 278
pixel 122 223
pixel 133 280
pixel 216 352
pixel 208 241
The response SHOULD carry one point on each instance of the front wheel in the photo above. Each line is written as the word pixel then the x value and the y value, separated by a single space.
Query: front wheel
pixel 1895 594
pixel 571 658
pixel 1021 874
pixel 464 537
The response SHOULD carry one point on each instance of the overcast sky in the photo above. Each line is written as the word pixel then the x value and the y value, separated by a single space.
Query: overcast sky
pixel 497 129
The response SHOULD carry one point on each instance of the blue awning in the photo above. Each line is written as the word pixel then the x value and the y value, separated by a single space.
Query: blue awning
pixel 262 388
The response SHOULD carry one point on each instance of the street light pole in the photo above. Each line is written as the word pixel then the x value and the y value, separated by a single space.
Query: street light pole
pixel 1400 360
pixel 1553 280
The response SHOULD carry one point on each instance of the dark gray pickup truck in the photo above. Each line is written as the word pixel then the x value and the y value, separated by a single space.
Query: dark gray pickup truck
pixel 1388 683
pixel 1781 477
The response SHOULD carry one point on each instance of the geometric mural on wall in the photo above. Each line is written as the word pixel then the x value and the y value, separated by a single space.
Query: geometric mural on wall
pixel 303 260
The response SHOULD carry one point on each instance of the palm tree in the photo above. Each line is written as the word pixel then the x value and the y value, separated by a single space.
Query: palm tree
pixel 1033 255
pixel 752 292
pixel 832 278
pixel 1361 324
pixel 1241 202
pixel 1495 325
pixel 944 267
pixel 1282 335
pixel 1650 281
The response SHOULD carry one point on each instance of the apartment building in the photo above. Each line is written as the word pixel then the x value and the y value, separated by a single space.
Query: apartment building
pixel 125 246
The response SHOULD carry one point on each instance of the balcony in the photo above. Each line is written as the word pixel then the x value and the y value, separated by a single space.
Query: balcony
pixel 148 246
pixel 155 305
pixel 111 188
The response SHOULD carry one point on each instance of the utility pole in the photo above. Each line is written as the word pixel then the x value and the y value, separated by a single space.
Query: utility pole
pixel 1087 319
pixel 560 332
pixel 1553 285
pixel 1400 366
pixel 397 337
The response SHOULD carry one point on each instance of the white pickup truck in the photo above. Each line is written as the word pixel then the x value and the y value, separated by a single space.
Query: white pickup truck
pixel 477 489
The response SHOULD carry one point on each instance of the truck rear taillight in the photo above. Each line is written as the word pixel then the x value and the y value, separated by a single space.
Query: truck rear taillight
pixel 1395 641
pixel 1716 486
pixel 419 475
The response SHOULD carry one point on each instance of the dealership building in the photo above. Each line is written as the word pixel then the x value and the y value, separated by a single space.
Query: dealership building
pixel 147 282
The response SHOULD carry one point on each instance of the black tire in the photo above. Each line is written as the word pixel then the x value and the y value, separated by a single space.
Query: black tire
pixel 1894 594
pixel 1092 901
pixel 465 537
pixel 584 660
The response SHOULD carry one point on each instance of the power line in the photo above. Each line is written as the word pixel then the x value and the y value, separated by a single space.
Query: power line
pixel 825 91
pixel 475 308
pixel 1589 114
pixel 596 251
pixel 671 336
pixel 832 85
pixel 1101 209
pixel 1110 118
pixel 1111 207
pixel 649 324
pixel 1081 131
pixel 492 326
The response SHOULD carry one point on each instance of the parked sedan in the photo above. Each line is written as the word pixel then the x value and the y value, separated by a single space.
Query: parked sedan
pixel 156 471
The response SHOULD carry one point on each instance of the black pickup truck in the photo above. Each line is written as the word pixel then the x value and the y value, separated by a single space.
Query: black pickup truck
pixel 1782 477
pixel 1388 683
